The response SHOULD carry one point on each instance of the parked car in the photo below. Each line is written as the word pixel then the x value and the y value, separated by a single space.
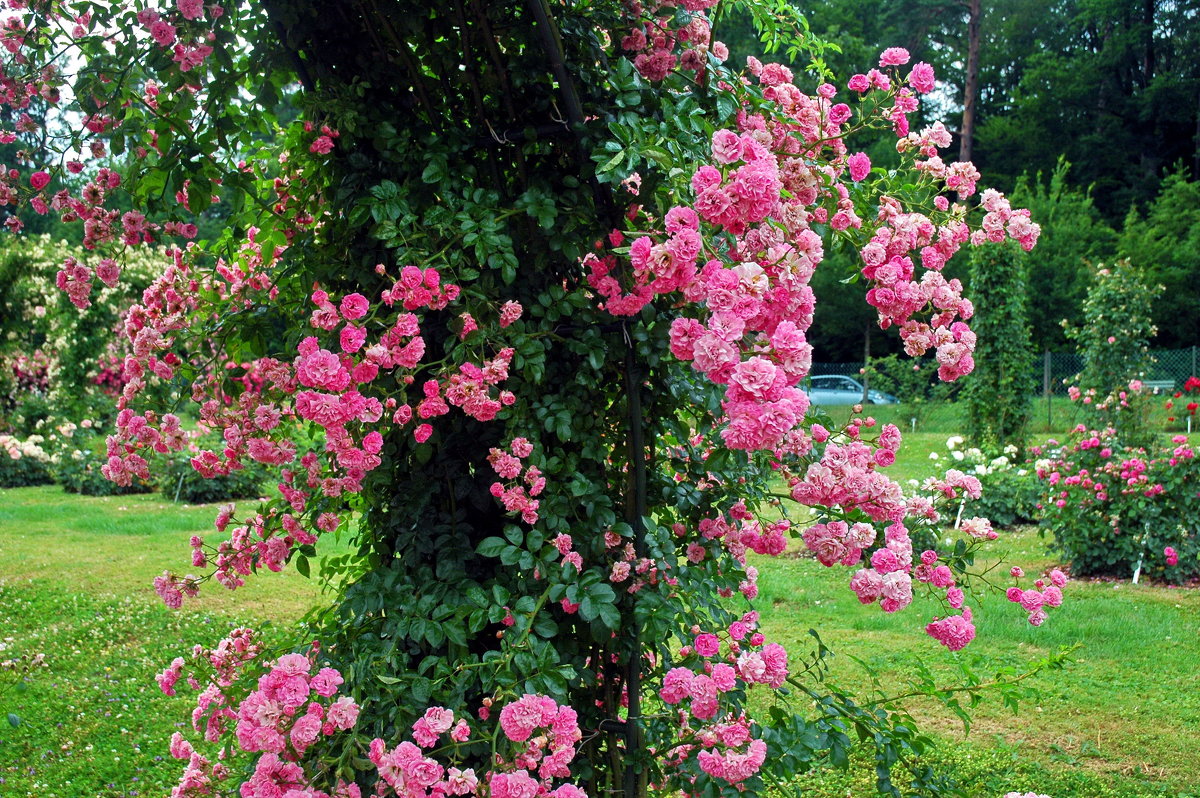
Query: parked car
pixel 834 389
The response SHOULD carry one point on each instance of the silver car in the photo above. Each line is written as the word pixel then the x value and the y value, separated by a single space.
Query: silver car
pixel 834 389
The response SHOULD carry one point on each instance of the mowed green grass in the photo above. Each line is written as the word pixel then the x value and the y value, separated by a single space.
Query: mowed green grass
pixel 1122 720
pixel 75 578
pixel 75 585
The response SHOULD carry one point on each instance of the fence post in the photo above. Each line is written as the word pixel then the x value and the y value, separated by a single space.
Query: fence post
pixel 1046 388
pixel 1193 374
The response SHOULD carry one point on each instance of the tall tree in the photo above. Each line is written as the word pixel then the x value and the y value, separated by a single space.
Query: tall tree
pixel 971 84
pixel 1074 235
pixel 1165 243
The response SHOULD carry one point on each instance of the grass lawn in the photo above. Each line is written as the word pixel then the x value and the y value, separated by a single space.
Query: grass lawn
pixel 1123 720
pixel 75 584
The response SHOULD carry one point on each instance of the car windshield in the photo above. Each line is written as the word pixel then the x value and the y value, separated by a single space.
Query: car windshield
pixel 835 384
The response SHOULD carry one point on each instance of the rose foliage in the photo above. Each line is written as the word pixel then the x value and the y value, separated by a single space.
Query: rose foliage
pixel 1114 508
pixel 522 297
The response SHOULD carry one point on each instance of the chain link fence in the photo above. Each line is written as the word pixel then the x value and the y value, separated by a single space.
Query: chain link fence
pixel 925 404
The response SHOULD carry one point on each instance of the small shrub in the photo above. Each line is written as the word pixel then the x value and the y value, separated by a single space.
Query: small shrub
pixel 23 463
pixel 1110 506
pixel 1011 490
pixel 179 479
pixel 30 411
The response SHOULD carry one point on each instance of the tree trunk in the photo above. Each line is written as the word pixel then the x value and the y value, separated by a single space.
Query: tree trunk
pixel 1148 65
pixel 971 89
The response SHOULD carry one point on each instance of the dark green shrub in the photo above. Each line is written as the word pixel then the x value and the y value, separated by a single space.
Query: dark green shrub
pixel 22 463
pixel 178 480
pixel 997 394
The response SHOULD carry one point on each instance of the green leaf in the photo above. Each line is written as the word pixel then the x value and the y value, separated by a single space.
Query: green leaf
pixel 455 633
pixel 610 616
pixel 13 720
pixel 491 547
pixel 612 163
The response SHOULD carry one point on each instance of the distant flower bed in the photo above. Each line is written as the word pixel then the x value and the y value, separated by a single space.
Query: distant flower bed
pixel 23 462
pixel 1010 487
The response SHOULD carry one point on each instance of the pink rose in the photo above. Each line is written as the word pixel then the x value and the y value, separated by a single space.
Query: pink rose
pixel 726 146
pixel 707 645
pixel 191 9
pixel 893 56
pixel 860 166
pixel 921 78
pixel 354 306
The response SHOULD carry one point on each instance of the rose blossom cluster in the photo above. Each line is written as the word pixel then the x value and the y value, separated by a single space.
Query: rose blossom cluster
pixel 762 189
pixel 405 771
pixel 1121 471
pixel 954 631
pixel 281 720
pixel 1035 600
pixel 629 570
pixel 846 467
pixel 657 46
pixel 165 28
pixel 737 534
pixel 847 475
pixel 524 482
pixel 286 714
pixel 329 383
pixel 723 747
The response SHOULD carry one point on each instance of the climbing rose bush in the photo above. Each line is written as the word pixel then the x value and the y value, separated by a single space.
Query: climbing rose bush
pixel 551 395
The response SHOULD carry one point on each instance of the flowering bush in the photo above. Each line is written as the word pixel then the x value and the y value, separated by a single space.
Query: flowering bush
pixel 1184 404
pixel 23 462
pixel 540 323
pixel 1115 343
pixel 1010 488
pixel 52 349
pixel 1113 509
